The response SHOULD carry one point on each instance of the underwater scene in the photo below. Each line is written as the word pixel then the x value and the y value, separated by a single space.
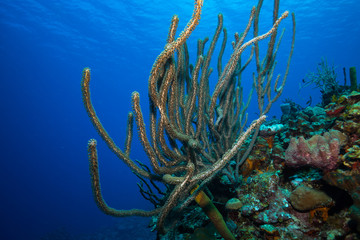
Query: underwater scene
pixel 180 119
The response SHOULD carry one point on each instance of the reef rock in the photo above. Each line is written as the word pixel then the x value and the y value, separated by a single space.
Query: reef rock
pixel 233 204
pixel 305 198
pixel 350 182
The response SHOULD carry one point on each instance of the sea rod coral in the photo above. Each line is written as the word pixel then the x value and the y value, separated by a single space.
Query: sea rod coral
pixel 194 132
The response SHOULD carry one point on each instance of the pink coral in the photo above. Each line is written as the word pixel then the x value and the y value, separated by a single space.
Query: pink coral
pixel 320 151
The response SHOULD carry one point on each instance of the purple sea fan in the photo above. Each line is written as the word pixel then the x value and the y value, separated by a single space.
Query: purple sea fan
pixel 320 151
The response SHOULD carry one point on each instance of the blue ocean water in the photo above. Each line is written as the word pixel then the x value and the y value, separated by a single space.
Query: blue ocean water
pixel 44 45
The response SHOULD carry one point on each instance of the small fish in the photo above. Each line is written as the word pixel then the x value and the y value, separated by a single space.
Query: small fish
pixel 309 101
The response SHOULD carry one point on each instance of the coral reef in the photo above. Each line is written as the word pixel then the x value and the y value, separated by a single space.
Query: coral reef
pixel 305 184
pixel 293 178
pixel 305 122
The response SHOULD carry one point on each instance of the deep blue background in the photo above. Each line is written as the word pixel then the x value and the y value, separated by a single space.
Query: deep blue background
pixel 45 44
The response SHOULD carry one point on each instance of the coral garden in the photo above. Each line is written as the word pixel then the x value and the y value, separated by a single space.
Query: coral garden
pixel 301 180
pixel 222 177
